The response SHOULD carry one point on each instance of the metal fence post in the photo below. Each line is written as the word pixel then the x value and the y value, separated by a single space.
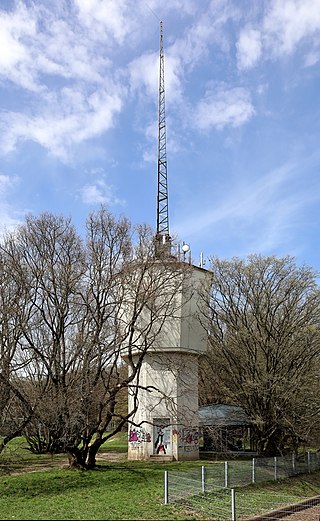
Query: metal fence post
pixel 253 470
pixel 226 474
pixel 166 488
pixel 203 479
pixel 233 505
pixel 275 469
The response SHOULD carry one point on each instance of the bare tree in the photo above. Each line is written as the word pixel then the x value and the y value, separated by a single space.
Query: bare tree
pixel 264 346
pixel 124 285
pixel 46 261
pixel 15 409
pixel 84 314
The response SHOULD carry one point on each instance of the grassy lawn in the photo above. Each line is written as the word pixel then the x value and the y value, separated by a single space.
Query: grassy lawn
pixel 118 443
pixel 17 456
pixel 123 490
pixel 115 490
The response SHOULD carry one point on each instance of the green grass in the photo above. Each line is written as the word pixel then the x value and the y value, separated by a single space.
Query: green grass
pixel 115 490
pixel 128 490
pixel 118 443
pixel 17 457
pixel 255 499
pixel 122 490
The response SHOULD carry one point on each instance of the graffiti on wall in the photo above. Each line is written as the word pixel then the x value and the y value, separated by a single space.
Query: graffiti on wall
pixel 175 435
pixel 178 438
pixel 162 436
pixel 138 436
pixel 190 440
pixel 160 445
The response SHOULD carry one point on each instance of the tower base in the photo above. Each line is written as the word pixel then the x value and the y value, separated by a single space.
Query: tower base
pixel 167 419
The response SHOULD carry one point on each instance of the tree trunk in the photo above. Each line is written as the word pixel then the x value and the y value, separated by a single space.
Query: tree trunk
pixel 91 459
pixel 76 458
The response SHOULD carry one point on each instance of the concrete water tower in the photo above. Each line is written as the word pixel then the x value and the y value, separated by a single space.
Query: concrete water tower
pixel 166 422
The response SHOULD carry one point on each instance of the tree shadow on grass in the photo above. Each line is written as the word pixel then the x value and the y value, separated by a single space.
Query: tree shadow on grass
pixel 55 482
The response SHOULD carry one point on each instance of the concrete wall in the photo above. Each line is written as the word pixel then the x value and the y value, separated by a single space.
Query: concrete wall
pixel 174 313
pixel 168 381
pixel 170 392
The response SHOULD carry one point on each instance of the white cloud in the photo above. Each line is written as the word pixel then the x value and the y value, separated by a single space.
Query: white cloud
pixel 71 119
pixel 73 95
pixel 8 217
pixel 62 53
pixel 99 193
pixel 6 183
pixel 93 194
pixel 144 74
pixel 224 107
pixel 17 29
pixel 248 48
pixel 110 19
pixel 8 221
pixel 288 22
pixel 185 52
pixel 187 7
pixel 35 42
pixel 12 28
pixel 312 57
pixel 285 25
pixel 207 30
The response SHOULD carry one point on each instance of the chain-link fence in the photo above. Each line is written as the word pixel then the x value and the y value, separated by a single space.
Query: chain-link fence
pixel 211 489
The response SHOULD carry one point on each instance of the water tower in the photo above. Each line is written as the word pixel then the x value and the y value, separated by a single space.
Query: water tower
pixel 166 422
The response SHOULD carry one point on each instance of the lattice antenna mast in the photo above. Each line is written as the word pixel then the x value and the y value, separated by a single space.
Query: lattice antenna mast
pixel 162 239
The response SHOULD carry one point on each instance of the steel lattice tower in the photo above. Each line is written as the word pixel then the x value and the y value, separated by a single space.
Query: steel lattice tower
pixel 162 239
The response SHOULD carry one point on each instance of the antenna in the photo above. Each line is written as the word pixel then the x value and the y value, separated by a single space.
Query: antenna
pixel 162 238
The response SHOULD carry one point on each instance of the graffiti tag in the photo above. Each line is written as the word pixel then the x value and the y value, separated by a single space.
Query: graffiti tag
pixel 139 436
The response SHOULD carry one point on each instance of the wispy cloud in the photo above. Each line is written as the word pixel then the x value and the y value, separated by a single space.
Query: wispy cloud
pixel 79 91
pixel 285 25
pixel 111 19
pixel 222 107
pixel 288 22
pixel 75 91
pixel 9 219
pixel 6 183
pixel 99 191
pixel 72 97
pixel 69 119
pixel 248 48
pixel 261 213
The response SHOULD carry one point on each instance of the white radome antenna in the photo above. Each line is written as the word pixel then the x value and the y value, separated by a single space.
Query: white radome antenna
pixel 186 249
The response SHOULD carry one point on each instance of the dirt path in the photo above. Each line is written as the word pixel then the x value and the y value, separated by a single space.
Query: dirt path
pixel 112 456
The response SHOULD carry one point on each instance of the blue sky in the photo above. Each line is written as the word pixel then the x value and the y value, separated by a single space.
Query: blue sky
pixel 78 117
